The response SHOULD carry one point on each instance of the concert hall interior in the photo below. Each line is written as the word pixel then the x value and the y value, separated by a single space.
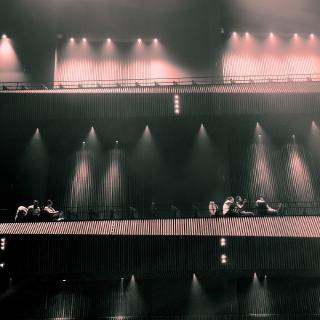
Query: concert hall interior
pixel 160 159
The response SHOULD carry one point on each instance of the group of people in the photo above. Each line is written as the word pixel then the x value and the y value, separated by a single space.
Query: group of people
pixel 238 207
pixel 36 213
pixel 231 207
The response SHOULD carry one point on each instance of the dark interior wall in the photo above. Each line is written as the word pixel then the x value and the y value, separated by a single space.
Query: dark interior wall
pixel 172 161
pixel 186 298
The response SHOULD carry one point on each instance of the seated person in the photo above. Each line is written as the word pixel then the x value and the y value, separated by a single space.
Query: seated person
pixel 33 212
pixel 228 207
pixel 241 206
pixel 133 213
pixel 52 213
pixel 175 211
pixel 21 214
pixel 195 211
pixel 154 210
pixel 264 209
pixel 212 208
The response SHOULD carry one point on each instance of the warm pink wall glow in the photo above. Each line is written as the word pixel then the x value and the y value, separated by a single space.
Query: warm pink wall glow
pixel 80 61
pixel 81 182
pixel 247 55
pixel 10 69
pixel 299 177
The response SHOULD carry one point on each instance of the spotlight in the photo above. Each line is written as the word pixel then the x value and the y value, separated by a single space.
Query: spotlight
pixel 259 135
pixel 176 97
pixel 155 40
pixel 72 39
pixel 109 40
pixel 139 40
pixel 295 35
pixel 247 34
pixel 117 141
pixel 176 111
pixel 83 142
pixel 64 280
pixel 271 34
pixel 234 34
pixel 293 136
pixel 4 36
pixel 311 35
pixel 84 39
pixel 3 244
pixel 2 265
pixel 223 259
pixel 223 242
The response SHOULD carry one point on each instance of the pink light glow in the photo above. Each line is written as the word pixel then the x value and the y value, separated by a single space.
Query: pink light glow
pixel 139 40
pixel 84 39
pixel 271 56
pixel 109 40
pixel 72 39
pixel 155 40
pixel 10 69
pixel 299 175
pixel 4 36
pixel 295 35
pixel 83 61
pixel 82 181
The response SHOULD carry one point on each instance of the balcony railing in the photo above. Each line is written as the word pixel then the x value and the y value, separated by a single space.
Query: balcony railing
pixel 158 82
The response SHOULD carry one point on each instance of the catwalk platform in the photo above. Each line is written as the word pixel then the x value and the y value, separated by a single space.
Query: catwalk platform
pixel 291 226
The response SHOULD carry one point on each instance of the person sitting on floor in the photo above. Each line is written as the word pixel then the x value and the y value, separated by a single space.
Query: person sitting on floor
pixel 212 208
pixel 240 207
pixel 264 209
pixel 133 213
pixel 175 211
pixel 52 213
pixel 21 214
pixel 33 213
pixel 228 207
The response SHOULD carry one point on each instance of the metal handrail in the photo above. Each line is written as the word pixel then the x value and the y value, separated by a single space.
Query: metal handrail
pixel 155 82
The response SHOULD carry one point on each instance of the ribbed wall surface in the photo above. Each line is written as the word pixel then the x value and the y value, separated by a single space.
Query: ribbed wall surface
pixel 96 180
pixel 285 173
pixel 296 227
pixel 179 299
pixel 100 256
pixel 122 105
